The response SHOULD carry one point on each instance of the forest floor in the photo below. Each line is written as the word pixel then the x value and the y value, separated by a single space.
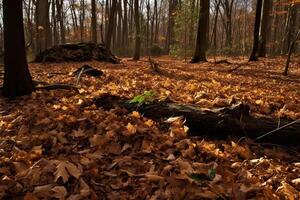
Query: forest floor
pixel 54 145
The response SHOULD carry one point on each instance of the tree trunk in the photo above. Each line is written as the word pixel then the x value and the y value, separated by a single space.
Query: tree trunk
pixel 291 49
pixel 227 7
pixel 265 27
pixel 94 22
pixel 253 56
pixel 202 35
pixel 125 26
pixel 43 26
pixel 17 79
pixel 171 24
pixel 54 23
pixel 111 24
pixel 82 20
pixel 191 33
pixel 137 48
pixel 217 6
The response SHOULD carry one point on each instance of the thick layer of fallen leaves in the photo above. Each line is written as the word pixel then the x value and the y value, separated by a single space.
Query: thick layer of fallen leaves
pixel 54 146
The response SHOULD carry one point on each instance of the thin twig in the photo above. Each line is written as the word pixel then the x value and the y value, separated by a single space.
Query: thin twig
pixel 79 75
pixel 277 129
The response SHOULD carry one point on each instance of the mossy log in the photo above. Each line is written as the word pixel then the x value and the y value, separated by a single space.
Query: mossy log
pixel 214 122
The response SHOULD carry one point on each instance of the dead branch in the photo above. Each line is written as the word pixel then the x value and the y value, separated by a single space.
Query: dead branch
pixel 57 87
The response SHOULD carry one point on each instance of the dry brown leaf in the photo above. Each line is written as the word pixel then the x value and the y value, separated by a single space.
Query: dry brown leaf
pixel 59 192
pixel 65 169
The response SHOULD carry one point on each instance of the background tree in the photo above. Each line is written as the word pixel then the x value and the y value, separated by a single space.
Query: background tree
pixel 94 22
pixel 202 35
pixel 137 48
pixel 43 39
pixel 265 27
pixel 17 79
pixel 111 24
pixel 253 56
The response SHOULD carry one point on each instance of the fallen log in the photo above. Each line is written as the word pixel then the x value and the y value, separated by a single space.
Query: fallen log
pixel 57 87
pixel 88 70
pixel 220 123
pixel 77 53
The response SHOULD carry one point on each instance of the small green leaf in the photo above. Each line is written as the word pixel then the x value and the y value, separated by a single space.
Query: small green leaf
pixel 212 174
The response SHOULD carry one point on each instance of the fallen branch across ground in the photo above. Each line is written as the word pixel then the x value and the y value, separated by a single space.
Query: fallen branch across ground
pixel 215 122
pixel 239 65
pixel 57 87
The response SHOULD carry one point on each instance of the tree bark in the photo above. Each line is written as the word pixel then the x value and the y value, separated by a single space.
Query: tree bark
pixel 125 25
pixel 82 20
pixel 43 26
pixel 54 23
pixel 137 48
pixel 202 35
pixel 94 22
pixel 17 79
pixel 171 24
pixel 265 27
pixel 253 56
pixel 291 49
pixel 111 24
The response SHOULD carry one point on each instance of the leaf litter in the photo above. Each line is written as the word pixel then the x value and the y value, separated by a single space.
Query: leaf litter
pixel 54 146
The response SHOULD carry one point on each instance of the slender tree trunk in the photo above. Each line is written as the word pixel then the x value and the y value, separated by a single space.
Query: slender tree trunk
pixel 253 56
pixel 215 25
pixel 125 25
pixel 119 27
pixel 191 31
pixel 111 24
pixel 43 26
pixel 265 27
pixel 137 48
pixel 291 49
pixel 94 22
pixel 54 24
pixel 171 24
pixel 148 28
pixel 156 22
pixel 17 79
pixel 275 31
pixel 202 35
pixel 82 20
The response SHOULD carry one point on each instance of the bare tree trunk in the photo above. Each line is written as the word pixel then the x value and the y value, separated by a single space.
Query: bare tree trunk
pixel 202 35
pixel 275 31
pixel 227 7
pixel 191 31
pixel 265 27
pixel 54 24
pixel 253 56
pixel 59 7
pixel 291 49
pixel 43 26
pixel 111 24
pixel 171 24
pixel 82 20
pixel 148 28
pixel 119 27
pixel 137 48
pixel 17 79
pixel 217 6
pixel 94 22
pixel 125 25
